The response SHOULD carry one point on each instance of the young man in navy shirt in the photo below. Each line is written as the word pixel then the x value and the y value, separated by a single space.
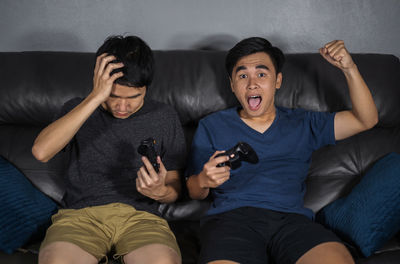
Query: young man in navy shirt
pixel 257 212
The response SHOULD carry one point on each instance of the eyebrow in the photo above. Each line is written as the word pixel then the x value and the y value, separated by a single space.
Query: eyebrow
pixel 131 97
pixel 240 68
pixel 261 66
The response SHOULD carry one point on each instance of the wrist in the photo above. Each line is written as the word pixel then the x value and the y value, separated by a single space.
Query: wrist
pixel 200 182
pixel 196 190
pixel 96 98
pixel 351 70
pixel 162 193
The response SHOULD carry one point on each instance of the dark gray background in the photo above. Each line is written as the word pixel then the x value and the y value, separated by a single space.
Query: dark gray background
pixel 366 26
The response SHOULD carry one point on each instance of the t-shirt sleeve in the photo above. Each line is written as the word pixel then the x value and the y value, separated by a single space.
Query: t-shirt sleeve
pixel 322 129
pixel 201 150
pixel 174 147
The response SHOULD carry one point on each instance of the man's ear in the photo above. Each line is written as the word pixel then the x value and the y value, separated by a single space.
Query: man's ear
pixel 231 83
pixel 278 80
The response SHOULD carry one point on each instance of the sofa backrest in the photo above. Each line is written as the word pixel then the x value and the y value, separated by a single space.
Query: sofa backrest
pixel 34 86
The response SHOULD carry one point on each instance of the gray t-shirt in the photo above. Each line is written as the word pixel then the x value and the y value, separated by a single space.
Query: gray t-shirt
pixel 104 160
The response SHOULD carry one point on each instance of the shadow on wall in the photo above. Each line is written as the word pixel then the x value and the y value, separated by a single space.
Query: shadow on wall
pixel 216 42
pixel 50 41
pixel 219 42
pixel 225 42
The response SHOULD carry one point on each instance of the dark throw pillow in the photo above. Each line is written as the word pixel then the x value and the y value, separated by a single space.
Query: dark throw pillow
pixel 370 215
pixel 24 210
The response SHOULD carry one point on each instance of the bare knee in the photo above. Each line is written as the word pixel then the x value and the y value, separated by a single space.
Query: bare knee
pixel 46 256
pixel 64 253
pixel 330 252
pixel 50 255
pixel 154 254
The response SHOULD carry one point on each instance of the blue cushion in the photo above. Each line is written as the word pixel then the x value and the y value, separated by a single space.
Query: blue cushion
pixel 24 210
pixel 370 215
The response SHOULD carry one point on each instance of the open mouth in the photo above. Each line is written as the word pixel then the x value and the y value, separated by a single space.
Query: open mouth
pixel 254 102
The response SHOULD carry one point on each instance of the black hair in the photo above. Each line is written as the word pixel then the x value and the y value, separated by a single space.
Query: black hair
pixel 136 56
pixel 250 46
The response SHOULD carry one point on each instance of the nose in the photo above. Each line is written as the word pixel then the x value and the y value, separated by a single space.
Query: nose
pixel 123 105
pixel 252 83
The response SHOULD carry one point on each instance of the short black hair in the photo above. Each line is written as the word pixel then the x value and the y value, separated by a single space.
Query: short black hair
pixel 250 46
pixel 136 56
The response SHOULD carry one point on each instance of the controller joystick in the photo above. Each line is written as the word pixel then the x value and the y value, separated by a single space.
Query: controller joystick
pixel 147 149
pixel 242 152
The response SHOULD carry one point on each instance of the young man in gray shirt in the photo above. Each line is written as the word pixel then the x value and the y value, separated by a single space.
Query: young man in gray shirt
pixel 112 192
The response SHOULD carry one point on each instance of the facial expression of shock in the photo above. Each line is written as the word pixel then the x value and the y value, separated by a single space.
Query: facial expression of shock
pixel 124 100
pixel 254 82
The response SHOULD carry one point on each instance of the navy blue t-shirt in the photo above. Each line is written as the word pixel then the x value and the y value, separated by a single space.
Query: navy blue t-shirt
pixel 277 181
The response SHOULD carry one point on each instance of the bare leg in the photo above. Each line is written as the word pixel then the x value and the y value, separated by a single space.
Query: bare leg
pixel 65 253
pixel 153 254
pixel 327 253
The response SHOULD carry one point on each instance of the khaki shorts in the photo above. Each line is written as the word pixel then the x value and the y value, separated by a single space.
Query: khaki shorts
pixel 119 226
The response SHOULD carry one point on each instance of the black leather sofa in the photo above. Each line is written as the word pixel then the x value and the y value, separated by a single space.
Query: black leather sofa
pixel 34 85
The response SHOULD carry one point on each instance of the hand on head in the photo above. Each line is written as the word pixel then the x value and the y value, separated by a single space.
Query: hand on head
pixel 102 79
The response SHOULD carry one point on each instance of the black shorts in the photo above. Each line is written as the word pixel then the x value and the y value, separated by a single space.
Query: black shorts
pixel 259 236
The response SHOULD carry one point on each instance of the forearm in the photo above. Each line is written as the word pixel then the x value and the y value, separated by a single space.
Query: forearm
pixel 169 194
pixel 196 191
pixel 363 105
pixel 56 136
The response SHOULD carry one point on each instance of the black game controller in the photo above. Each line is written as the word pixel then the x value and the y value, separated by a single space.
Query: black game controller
pixel 242 152
pixel 147 149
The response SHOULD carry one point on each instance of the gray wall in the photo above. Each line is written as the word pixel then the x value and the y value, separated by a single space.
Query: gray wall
pixel 366 26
